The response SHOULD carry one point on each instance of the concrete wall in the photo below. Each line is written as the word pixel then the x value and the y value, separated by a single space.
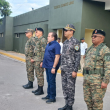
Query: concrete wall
pixel 63 12
pixel 31 20
pixel 2 31
pixel 6 42
pixel 95 17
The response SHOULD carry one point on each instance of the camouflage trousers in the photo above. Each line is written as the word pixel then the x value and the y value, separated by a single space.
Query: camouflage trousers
pixel 68 86
pixel 38 70
pixel 93 94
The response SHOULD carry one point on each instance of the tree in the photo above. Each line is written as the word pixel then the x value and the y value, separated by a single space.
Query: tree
pixel 4 8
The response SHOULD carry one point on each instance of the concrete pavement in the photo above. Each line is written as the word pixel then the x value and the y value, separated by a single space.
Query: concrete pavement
pixel 14 97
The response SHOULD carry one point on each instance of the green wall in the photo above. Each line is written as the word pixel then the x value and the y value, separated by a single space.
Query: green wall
pixel 30 20
pixel 63 12
pixel 95 17
pixel 2 39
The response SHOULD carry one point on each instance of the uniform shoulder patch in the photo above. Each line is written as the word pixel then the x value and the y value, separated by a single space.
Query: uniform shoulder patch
pixel 76 47
pixel 107 57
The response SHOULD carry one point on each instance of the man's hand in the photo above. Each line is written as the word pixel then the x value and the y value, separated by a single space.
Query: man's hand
pixel 53 71
pixel 103 85
pixel 41 64
pixel 74 74
pixel 32 61
pixel 84 56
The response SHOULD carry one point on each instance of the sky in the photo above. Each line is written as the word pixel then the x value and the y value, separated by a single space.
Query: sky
pixel 22 6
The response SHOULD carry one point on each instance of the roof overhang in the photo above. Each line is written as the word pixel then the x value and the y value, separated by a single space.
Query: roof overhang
pixel 107 3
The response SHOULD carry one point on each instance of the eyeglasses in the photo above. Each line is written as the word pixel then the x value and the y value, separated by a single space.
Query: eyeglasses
pixel 95 36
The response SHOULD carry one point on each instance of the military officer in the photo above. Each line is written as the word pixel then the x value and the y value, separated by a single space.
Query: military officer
pixel 70 60
pixel 96 71
pixel 29 53
pixel 39 49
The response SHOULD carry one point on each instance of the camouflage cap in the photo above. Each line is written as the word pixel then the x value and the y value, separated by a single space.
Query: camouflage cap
pixel 69 27
pixel 29 30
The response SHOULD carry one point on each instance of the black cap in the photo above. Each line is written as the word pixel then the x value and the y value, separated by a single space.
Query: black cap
pixel 82 39
pixel 97 31
pixel 40 29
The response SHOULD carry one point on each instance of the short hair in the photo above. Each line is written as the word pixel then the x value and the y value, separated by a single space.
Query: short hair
pixel 54 35
pixel 58 39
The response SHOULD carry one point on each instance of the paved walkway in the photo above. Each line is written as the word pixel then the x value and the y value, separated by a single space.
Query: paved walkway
pixel 21 57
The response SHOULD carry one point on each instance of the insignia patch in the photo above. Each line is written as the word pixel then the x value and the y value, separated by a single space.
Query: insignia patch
pixel 107 57
pixel 76 47
pixel 95 31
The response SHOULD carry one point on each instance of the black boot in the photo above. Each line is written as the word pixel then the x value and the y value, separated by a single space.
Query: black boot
pixel 63 108
pixel 36 90
pixel 69 108
pixel 40 92
pixel 29 85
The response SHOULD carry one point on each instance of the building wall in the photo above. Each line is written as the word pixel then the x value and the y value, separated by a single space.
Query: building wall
pixel 63 12
pixel 95 17
pixel 30 20
pixel 6 34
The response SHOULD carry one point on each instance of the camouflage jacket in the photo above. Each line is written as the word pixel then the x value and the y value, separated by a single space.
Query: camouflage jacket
pixel 102 62
pixel 70 58
pixel 39 48
pixel 29 50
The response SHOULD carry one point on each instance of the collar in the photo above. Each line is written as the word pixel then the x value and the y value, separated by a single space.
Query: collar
pixel 52 42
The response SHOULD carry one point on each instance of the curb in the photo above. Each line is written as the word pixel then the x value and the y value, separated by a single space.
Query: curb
pixel 23 60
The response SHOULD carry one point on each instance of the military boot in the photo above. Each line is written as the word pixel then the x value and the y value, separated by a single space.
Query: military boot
pixel 40 91
pixel 63 108
pixel 29 85
pixel 69 108
pixel 36 90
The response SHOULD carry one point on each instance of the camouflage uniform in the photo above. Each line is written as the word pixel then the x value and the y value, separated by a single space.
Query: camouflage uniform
pixel 39 49
pixel 29 53
pixel 95 74
pixel 70 60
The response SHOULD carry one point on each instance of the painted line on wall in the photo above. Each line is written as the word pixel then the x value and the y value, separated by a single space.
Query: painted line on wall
pixel 23 60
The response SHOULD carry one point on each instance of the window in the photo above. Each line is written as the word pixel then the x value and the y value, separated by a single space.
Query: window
pixel 2 34
pixel 17 35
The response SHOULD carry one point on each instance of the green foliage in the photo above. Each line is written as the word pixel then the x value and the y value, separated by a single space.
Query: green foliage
pixel 4 8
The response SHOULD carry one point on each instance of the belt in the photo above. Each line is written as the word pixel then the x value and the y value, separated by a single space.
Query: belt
pixel 93 71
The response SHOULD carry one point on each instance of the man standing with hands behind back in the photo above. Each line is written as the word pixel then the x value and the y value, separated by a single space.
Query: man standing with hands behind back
pixel 70 60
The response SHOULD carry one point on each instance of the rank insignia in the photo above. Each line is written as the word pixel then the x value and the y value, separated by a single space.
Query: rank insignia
pixel 95 31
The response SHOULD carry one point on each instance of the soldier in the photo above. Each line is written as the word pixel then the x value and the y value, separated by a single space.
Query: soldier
pixel 70 60
pixel 38 59
pixel 29 54
pixel 96 71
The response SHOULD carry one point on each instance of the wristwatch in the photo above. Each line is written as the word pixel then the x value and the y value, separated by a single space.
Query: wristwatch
pixel 53 67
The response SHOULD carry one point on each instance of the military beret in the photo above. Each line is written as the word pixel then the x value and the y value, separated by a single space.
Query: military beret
pixel 39 29
pixel 69 27
pixel 29 30
pixel 97 31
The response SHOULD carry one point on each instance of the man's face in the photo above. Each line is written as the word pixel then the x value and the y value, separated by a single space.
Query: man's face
pixel 50 37
pixel 97 38
pixel 38 33
pixel 67 33
pixel 82 41
pixel 28 34
pixel 58 40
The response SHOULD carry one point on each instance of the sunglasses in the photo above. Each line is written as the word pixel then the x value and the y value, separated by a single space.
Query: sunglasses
pixel 95 36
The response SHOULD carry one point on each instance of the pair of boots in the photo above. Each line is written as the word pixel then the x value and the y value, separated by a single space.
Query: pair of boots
pixel 29 85
pixel 39 91
pixel 66 107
